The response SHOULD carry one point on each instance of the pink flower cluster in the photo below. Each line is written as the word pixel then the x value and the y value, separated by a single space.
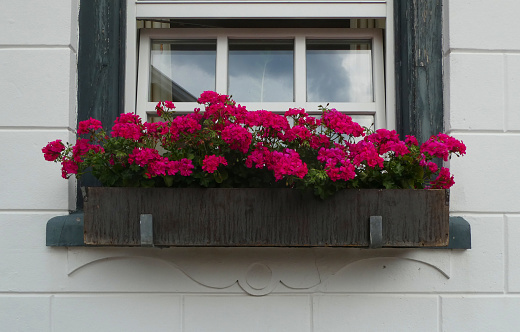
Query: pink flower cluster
pixel 442 145
pixel 337 165
pixel 156 165
pixel 296 112
pixel 387 141
pixel 237 137
pixel 129 126
pixel 79 151
pixel 259 157
pixel 212 97
pixel 284 163
pixel 53 150
pixel 365 152
pixel 68 167
pixel 272 124
pixel 444 180
pixel 160 108
pixel 84 127
pixel 226 137
pixel 287 163
pixel 187 124
pixel 298 132
pixel 211 163
pixel 341 123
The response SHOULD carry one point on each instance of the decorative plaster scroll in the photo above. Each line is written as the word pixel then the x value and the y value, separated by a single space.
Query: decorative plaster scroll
pixel 260 271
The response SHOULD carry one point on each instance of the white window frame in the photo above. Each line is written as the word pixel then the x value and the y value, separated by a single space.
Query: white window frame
pixel 375 109
pixel 263 9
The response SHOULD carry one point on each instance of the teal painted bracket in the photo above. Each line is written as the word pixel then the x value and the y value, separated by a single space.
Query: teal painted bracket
pixel 460 234
pixel 67 231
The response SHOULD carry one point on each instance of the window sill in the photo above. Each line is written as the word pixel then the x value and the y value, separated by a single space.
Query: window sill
pixel 67 231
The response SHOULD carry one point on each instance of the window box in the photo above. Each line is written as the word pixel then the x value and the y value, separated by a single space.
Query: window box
pixel 265 217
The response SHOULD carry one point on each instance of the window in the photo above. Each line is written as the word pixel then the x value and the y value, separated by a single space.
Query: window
pixel 267 41
pixel 107 71
pixel 273 69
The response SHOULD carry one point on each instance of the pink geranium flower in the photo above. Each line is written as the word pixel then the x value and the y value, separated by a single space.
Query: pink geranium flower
pixel 258 147
pixel 211 163
pixel 52 151
pixel 84 127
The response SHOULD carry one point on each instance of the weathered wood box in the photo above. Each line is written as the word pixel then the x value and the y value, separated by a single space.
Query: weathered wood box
pixel 265 217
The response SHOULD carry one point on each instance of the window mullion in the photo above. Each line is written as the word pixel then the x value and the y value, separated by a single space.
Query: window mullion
pixel 300 71
pixel 221 76
pixel 378 81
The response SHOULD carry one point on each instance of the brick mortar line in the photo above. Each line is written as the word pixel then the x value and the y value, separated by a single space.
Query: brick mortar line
pixel 242 295
pixel 39 211
pixel 479 51
pixel 34 128
pixel 37 47
pixel 485 132
pixel 506 254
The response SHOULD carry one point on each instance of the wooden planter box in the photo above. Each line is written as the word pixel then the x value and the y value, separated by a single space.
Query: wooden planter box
pixel 265 217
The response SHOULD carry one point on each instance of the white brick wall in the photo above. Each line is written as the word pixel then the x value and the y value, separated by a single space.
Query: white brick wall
pixel 99 289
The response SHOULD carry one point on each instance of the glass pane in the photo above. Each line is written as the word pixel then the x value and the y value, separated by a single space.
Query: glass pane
pixel 339 71
pixel 261 70
pixel 182 69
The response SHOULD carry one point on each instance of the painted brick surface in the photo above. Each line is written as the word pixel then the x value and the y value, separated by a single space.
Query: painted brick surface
pixel 56 23
pixel 480 314
pixel 60 289
pixel 476 95
pixel 512 120
pixel 243 313
pixel 33 271
pixel 513 258
pixel 375 313
pixel 25 313
pixel 427 271
pixel 480 24
pixel 118 312
pixel 23 231
pixel 29 181
pixel 40 84
pixel 486 179
pixel 126 273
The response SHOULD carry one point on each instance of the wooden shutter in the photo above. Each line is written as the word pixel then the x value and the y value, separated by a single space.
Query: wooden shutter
pixel 418 67
pixel 101 66
pixel 101 60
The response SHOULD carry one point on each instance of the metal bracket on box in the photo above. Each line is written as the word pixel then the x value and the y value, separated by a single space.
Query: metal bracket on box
pixel 146 225
pixel 376 232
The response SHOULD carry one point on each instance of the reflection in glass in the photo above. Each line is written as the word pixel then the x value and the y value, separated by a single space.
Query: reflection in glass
pixel 339 71
pixel 182 69
pixel 261 70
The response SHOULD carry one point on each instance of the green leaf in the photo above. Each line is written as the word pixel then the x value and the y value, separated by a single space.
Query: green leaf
pixel 168 180
pixel 388 183
pixel 220 176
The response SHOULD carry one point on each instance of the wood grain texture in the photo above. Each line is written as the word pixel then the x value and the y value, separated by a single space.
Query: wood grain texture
pixel 418 47
pixel 101 66
pixel 265 217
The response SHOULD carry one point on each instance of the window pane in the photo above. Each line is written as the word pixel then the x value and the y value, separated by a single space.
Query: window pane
pixel 261 70
pixel 339 71
pixel 182 69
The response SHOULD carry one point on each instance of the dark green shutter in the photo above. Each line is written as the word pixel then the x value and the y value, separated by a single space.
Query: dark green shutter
pixel 101 65
pixel 418 64
pixel 101 60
